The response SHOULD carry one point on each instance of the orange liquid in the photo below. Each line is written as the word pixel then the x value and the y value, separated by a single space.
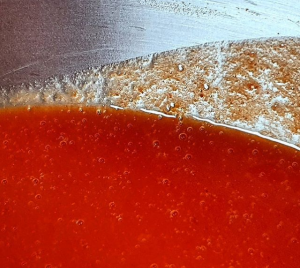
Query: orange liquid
pixel 124 189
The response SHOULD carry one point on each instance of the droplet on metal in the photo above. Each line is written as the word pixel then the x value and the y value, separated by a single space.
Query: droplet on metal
pixel 180 68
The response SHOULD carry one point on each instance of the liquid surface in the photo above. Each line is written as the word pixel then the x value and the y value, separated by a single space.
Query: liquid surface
pixel 124 189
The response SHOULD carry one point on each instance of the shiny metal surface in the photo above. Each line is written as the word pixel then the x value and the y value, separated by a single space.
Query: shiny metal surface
pixel 41 38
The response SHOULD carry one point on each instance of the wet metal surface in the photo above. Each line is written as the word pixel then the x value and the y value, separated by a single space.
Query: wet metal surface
pixel 41 38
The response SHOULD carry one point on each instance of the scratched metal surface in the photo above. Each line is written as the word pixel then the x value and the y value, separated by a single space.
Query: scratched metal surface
pixel 41 38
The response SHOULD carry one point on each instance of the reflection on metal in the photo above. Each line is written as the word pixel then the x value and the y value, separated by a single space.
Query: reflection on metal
pixel 116 107
pixel 247 131
pixel 158 113
pixel 41 38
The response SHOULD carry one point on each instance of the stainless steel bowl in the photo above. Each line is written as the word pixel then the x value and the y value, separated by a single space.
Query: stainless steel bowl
pixel 41 38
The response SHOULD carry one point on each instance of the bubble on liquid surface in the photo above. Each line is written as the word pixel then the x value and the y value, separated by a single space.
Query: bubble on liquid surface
pixel 294 240
pixel 101 160
pixel 112 205
pixel 4 181
pixel 246 216
pixel 280 225
pixel 230 151
pixel 62 143
pixel 189 129
pixel 155 144
pixel 264 195
pixel 177 148
pixel 174 213
pixel 182 136
pixel 38 196
pixel 188 157
pixel 294 164
pixel 35 181
pixel 165 182
pixel 79 222
pixel 201 248
pixel 262 174
pixel 153 265
pixel 251 251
